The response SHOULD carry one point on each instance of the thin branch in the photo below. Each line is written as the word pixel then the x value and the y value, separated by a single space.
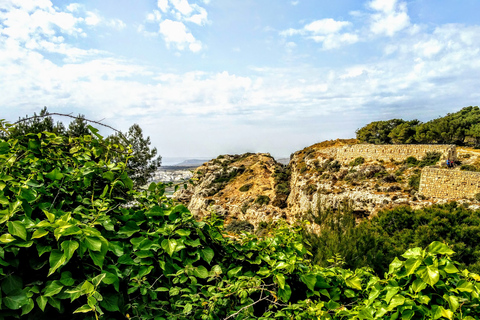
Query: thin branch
pixel 69 116
pixel 236 313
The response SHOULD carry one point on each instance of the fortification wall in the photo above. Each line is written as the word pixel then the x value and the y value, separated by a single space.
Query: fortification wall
pixel 396 152
pixel 449 184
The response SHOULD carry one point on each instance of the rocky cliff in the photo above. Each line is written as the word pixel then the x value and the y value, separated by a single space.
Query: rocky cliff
pixel 253 188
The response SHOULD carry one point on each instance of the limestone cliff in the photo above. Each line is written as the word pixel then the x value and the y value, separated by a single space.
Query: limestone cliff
pixel 255 188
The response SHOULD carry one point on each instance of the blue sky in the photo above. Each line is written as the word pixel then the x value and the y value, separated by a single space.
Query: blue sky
pixel 209 77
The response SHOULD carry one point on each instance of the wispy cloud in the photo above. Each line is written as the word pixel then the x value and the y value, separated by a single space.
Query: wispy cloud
pixel 172 17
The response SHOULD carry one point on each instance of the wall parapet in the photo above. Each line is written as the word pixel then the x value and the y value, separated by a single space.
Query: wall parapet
pixel 449 184
pixel 397 152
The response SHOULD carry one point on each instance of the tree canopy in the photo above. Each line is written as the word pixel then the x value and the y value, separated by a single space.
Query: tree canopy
pixel 460 128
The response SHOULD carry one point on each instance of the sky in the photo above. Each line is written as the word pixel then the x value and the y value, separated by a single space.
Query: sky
pixel 210 77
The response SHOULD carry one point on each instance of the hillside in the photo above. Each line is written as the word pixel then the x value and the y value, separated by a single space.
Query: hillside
pixel 254 188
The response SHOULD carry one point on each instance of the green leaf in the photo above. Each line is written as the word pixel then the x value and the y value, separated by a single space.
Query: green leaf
pixel 396 264
pixel 12 283
pixel 57 259
pixel 129 229
pixel 284 294
pixel 66 279
pixel 418 285
pixel 69 248
pixel 55 174
pixel 39 233
pixel 42 302
pixel 407 314
pixel 6 238
pixel 4 147
pixel 310 280
pixel 188 308
pixel 96 281
pixel 207 254
pixel 16 228
pixel 28 195
pixel 183 232
pixel 233 272
pixel 464 286
pixel 396 301
pixel 452 301
pixel 15 299
pixel 437 247
pixel 93 244
pixel 280 279
pixel 429 274
pixel 27 307
pixel 450 268
pixel 97 258
pixel 169 246
pixel 110 302
pixel 200 272
pixel 412 264
pixel 84 309
pixel 415 253
pixel 52 288
pixel 354 282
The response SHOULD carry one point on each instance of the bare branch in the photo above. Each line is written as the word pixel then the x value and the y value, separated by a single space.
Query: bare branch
pixel 236 313
pixel 70 116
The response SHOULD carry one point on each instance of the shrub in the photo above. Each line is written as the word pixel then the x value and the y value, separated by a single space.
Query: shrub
pixel 414 181
pixel 477 196
pixel 430 159
pixel 246 187
pixel 239 226
pixel 358 161
pixel 262 200
pixel 469 167
pixel 411 161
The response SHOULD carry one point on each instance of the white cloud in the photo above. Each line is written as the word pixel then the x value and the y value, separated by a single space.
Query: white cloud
pixel 391 16
pixel 325 31
pixel 163 5
pixel 175 32
pixel 172 23
pixel 326 26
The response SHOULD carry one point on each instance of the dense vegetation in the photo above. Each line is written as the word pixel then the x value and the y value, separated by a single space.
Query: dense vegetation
pixel 78 241
pixel 391 232
pixel 143 161
pixel 460 128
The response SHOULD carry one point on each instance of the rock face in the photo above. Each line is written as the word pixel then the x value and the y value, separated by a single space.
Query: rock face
pixel 242 187
pixel 256 188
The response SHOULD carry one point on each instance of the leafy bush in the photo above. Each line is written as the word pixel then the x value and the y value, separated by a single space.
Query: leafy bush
pixel 246 187
pixel 262 200
pixel 73 247
pixel 411 161
pixel 358 161
pixel 430 159
pixel 477 196
pixel 469 167
pixel 414 181
pixel 240 226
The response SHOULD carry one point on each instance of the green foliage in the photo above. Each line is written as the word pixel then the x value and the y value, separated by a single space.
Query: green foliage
pixel 378 132
pixel 245 187
pixel 262 200
pixel 469 167
pixel 239 226
pixel 77 241
pixel 35 125
pixel 387 235
pixel 430 159
pixel 460 128
pixel 358 161
pixel 411 161
pixel 143 161
pixel 414 181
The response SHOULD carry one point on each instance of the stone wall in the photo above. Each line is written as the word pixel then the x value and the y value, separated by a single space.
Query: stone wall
pixel 396 152
pixel 449 184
